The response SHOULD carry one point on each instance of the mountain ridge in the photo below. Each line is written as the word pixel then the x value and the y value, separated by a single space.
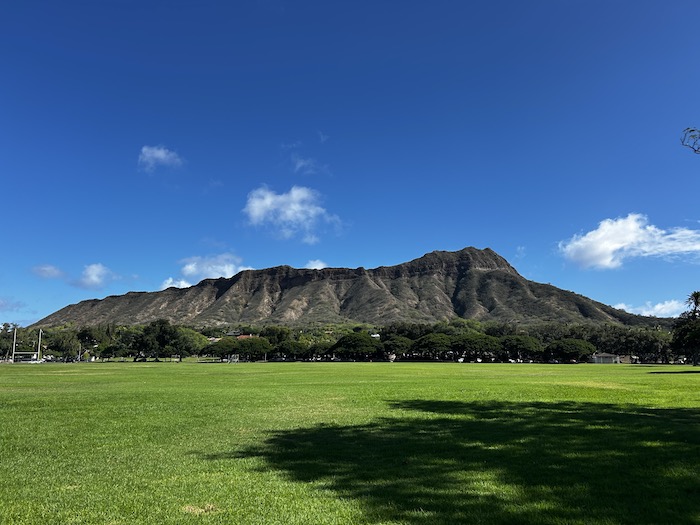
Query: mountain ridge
pixel 440 285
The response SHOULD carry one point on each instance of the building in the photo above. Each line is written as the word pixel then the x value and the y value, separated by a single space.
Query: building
pixel 604 358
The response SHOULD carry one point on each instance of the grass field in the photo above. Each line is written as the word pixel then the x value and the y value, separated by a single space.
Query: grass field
pixel 346 443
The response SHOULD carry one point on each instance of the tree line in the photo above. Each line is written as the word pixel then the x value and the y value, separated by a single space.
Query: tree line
pixel 460 340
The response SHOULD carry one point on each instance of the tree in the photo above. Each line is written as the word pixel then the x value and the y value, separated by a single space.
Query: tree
pixel 223 348
pixel 6 338
pixel 96 339
pixel 254 347
pixel 693 301
pixel 276 334
pixel 63 342
pixel 114 349
pixel 433 346
pixel 190 342
pixel 127 341
pixel 477 347
pixel 319 349
pixel 500 329
pixel 650 346
pixel 686 331
pixel 397 345
pixel 519 347
pixel 691 139
pixel 410 330
pixel 159 339
pixel 568 350
pixel 357 345
pixel 292 349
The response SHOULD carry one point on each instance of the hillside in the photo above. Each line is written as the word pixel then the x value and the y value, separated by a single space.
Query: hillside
pixel 470 283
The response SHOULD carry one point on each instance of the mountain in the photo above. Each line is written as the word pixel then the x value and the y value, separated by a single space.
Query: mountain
pixel 470 283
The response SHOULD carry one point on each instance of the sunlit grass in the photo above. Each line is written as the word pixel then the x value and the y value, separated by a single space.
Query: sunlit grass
pixel 339 443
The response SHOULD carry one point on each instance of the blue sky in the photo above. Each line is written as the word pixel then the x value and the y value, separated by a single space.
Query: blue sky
pixel 152 143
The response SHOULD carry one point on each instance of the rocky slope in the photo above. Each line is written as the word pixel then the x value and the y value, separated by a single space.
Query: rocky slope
pixel 470 283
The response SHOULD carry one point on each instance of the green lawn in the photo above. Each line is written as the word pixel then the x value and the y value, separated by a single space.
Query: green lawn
pixel 344 443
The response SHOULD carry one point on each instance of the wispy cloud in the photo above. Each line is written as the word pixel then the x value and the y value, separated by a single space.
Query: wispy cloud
pixel 672 308
pixel 618 239
pixel 213 186
pixel 209 267
pixel 48 271
pixel 95 276
pixel 307 165
pixel 290 145
pixel 315 264
pixel 297 212
pixel 152 157
pixel 9 305
pixel 322 137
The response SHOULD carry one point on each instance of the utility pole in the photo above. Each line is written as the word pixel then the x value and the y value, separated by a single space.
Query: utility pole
pixel 14 346
pixel 38 347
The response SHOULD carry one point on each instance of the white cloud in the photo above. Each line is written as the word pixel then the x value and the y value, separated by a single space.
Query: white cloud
pixel 672 308
pixel 212 267
pixel 95 276
pixel 47 271
pixel 153 156
pixel 223 265
pixel 315 264
pixel 195 269
pixel 295 212
pixel 322 137
pixel 177 283
pixel 618 239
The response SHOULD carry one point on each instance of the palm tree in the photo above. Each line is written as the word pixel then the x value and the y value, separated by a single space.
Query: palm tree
pixel 693 301
pixel 686 331
pixel 691 139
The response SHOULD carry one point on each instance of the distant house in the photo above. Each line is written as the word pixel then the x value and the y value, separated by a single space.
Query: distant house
pixel 604 358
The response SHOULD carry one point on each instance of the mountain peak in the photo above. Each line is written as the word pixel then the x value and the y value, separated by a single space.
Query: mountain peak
pixel 473 258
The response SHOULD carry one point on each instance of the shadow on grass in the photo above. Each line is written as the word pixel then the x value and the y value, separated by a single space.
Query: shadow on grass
pixel 492 462
pixel 674 372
